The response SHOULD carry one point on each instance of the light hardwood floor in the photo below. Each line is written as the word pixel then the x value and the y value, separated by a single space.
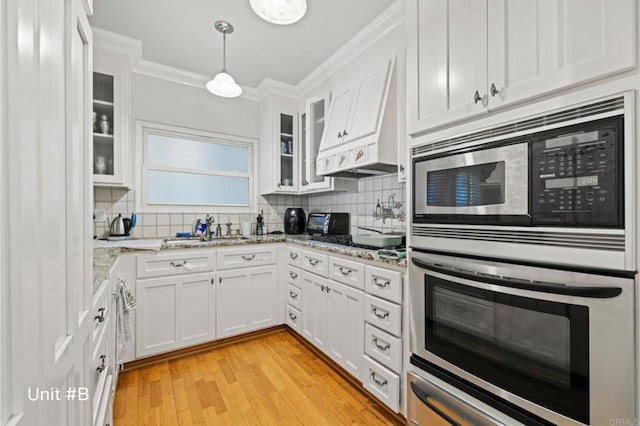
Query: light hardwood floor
pixel 269 380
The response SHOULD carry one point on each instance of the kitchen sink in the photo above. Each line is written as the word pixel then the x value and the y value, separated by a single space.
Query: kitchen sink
pixel 200 240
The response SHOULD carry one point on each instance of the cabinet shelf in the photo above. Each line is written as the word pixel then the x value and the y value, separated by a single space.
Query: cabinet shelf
pixel 103 135
pixel 103 103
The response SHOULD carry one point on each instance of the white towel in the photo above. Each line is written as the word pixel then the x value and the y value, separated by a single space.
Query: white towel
pixel 125 304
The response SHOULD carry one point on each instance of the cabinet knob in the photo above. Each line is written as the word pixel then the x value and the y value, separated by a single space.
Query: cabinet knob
pixel 345 272
pixel 493 90
pixel 344 133
pixel 313 262
pixel 103 365
pixel 339 135
pixel 293 295
pixel 293 275
pixel 383 347
pixel 99 318
pixel 476 97
pixel 293 256
pixel 381 284
pixel 383 315
pixel 249 258
pixel 292 316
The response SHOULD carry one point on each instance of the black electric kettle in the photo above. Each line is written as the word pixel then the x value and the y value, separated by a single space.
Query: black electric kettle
pixel 120 227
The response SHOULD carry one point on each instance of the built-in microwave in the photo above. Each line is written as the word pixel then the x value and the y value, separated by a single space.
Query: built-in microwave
pixel 555 188
pixel 569 176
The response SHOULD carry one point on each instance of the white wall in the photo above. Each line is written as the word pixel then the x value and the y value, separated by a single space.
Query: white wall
pixel 166 102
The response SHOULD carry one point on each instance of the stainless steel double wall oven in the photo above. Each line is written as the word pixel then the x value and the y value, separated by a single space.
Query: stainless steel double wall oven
pixel 521 278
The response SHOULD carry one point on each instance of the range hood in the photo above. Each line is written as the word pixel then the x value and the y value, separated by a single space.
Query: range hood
pixel 360 137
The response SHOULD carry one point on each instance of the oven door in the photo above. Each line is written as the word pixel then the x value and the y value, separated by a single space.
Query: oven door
pixel 485 186
pixel 558 344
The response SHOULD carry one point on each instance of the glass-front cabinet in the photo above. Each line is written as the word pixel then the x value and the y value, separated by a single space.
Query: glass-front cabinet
pixel 312 126
pixel 287 153
pixel 110 119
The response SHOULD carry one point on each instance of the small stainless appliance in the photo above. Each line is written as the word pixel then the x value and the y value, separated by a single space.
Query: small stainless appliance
pixel 120 227
pixel 328 223
pixel 556 343
pixel 294 221
pixel 562 179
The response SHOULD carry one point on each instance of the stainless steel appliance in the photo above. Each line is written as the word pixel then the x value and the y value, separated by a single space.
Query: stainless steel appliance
pixel 555 343
pixel 294 221
pixel 561 179
pixel 120 227
pixel 328 223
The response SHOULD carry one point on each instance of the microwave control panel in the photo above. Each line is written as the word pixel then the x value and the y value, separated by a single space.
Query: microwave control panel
pixel 576 178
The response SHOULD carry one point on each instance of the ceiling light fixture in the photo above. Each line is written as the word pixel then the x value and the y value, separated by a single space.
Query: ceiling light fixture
pixel 223 84
pixel 280 12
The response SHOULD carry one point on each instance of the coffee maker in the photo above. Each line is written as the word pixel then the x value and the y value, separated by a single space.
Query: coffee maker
pixel 294 220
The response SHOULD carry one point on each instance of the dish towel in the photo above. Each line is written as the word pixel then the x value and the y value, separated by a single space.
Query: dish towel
pixel 126 303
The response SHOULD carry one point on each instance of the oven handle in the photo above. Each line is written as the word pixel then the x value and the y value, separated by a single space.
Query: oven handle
pixel 424 397
pixel 551 288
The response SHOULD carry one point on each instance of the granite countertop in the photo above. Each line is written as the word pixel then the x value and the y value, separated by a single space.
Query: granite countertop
pixel 105 253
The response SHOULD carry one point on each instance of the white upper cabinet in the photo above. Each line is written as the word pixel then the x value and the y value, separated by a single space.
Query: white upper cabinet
pixel 468 57
pixel 338 118
pixel 111 118
pixel 279 146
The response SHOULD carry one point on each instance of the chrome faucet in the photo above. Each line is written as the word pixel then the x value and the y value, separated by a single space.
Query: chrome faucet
pixel 228 225
pixel 210 220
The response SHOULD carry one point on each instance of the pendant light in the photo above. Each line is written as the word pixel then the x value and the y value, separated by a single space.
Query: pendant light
pixel 223 84
pixel 280 12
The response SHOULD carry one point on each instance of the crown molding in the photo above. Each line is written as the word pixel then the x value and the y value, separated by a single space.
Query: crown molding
pixel 389 20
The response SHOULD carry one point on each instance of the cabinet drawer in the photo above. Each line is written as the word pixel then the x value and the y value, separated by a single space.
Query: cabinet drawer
pixel 383 314
pixel 347 272
pixel 293 318
pixel 383 347
pixel 315 262
pixel 99 371
pixel 293 276
pixel 175 263
pixel 382 382
pixel 239 258
pixel 294 256
pixel 383 283
pixel 293 296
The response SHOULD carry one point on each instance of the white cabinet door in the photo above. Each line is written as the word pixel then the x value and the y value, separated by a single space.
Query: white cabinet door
pixel 345 342
pixel 314 309
pixel 337 119
pixel 174 312
pixel 247 299
pixel 536 46
pixel 367 105
pixel 448 61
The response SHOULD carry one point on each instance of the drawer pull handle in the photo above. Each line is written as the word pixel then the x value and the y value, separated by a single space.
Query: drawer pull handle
pixel 381 284
pixel 293 256
pixel 293 294
pixel 292 316
pixel 313 262
pixel 380 383
pixel 178 265
pixel 99 318
pixel 374 311
pixel 293 275
pixel 249 258
pixel 381 347
pixel 345 272
pixel 103 364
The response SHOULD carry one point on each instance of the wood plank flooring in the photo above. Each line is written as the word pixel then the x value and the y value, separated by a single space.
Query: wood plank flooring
pixel 269 380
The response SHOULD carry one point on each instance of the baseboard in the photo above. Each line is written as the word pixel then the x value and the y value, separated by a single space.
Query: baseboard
pixel 380 407
pixel 192 350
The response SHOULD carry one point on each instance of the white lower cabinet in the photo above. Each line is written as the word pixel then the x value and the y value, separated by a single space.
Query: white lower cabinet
pixel 382 382
pixel 174 312
pixel 314 309
pixel 247 300
pixel 345 327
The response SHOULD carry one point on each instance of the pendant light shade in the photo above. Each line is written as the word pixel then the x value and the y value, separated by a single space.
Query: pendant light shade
pixel 223 84
pixel 280 12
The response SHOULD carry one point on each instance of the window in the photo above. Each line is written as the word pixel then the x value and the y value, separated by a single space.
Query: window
pixel 187 168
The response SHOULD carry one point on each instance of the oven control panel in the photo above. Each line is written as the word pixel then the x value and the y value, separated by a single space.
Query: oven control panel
pixel 576 178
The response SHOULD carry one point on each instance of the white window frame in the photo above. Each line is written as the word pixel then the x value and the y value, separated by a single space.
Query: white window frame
pixel 144 128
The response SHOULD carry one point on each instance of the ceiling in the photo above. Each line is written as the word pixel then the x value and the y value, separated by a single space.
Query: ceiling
pixel 181 34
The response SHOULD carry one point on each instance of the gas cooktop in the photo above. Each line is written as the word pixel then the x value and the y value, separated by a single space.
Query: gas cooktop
pixel 345 240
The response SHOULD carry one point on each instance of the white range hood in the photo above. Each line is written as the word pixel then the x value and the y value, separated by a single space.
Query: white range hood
pixel 360 137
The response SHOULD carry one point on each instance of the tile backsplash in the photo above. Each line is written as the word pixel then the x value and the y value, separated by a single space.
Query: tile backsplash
pixel 361 206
